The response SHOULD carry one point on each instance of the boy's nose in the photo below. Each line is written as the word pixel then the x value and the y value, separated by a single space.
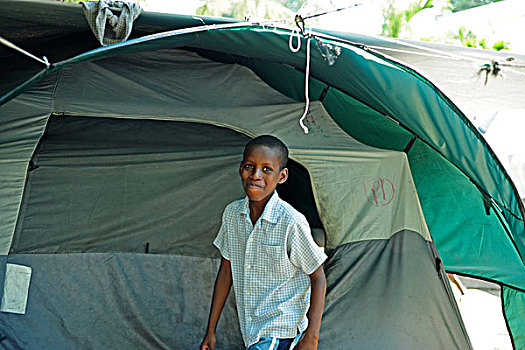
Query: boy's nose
pixel 256 174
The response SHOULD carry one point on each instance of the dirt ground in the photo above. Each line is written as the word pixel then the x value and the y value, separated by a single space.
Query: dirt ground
pixel 482 314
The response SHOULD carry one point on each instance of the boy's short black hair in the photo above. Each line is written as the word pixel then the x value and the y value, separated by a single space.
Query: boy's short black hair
pixel 270 142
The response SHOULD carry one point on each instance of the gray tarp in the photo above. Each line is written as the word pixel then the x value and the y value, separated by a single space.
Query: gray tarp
pixel 93 190
pixel 382 294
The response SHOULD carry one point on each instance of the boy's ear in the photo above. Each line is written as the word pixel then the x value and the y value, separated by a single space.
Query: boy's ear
pixel 283 176
pixel 240 167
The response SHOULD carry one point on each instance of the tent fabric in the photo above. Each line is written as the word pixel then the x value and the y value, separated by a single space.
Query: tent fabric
pixel 94 191
pixel 78 178
pixel 478 247
pixel 454 70
pixel 392 315
pixel 154 301
pixel 376 101
pixel 514 306
pixel 358 215
pixel 117 301
pixel 427 114
pixel 22 125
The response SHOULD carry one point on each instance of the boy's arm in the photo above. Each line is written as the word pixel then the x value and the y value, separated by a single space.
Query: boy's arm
pixel 221 290
pixel 311 334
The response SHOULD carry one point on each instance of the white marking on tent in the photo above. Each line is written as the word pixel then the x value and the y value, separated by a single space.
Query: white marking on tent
pixel 16 288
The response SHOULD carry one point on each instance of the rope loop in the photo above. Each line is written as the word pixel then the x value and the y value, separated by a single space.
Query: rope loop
pixel 298 32
pixel 306 81
pixel 295 33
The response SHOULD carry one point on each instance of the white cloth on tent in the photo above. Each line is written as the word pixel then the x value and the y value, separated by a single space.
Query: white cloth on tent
pixel 98 15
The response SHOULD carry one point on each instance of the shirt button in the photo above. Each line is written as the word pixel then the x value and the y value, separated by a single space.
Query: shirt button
pixel 249 319
pixel 247 293
pixel 249 266
pixel 251 239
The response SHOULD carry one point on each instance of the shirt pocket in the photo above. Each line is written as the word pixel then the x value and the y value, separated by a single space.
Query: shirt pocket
pixel 274 253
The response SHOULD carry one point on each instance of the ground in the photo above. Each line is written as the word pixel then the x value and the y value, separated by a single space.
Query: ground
pixel 482 314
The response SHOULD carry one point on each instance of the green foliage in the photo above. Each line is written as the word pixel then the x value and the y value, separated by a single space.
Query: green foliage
pixel 293 5
pixel 395 19
pixel 469 39
pixel 483 43
pixel 459 5
pixel 501 45
pixel 415 7
pixel 466 38
pixel 392 20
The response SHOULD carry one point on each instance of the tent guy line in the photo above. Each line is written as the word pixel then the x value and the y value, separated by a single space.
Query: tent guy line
pixel 13 46
pixel 331 11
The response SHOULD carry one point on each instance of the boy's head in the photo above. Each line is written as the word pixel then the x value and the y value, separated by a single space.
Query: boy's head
pixel 271 142
pixel 263 167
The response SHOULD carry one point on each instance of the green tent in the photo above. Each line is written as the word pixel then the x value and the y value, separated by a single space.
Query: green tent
pixel 116 163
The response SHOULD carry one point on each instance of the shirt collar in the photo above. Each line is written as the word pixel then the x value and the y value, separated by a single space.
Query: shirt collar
pixel 271 211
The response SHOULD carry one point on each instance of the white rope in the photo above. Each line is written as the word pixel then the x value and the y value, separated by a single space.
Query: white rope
pixel 306 80
pixel 13 46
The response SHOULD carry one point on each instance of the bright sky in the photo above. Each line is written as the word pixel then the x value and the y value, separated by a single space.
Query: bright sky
pixel 504 20
pixel 184 7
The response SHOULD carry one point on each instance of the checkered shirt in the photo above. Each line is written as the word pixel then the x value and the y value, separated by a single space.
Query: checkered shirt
pixel 271 262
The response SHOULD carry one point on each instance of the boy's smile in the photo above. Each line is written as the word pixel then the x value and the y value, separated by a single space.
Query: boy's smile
pixel 261 172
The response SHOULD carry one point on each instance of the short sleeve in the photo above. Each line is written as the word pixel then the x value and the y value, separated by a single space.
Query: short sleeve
pixel 304 252
pixel 221 241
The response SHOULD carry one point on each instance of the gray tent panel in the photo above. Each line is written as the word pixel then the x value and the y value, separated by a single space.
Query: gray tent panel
pixel 22 123
pixel 117 301
pixel 102 185
pixel 382 294
pixel 390 294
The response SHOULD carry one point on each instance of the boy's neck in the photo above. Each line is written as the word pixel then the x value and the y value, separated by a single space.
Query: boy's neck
pixel 257 208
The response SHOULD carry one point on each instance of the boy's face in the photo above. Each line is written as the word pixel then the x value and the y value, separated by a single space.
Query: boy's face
pixel 260 173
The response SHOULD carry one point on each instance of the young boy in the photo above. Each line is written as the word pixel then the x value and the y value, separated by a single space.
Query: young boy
pixel 269 256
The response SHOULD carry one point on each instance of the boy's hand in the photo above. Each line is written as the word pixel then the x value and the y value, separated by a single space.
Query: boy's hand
pixel 209 342
pixel 307 343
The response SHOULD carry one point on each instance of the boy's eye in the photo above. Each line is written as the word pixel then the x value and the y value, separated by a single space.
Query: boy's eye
pixel 267 169
pixel 248 166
